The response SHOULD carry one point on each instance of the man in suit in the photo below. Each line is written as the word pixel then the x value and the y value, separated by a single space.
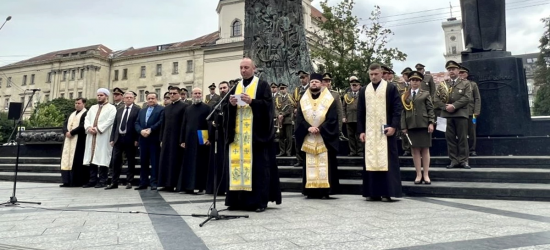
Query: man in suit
pixel 428 82
pixel 474 110
pixel 148 126
pixel 212 99
pixel 454 107
pixel 350 117
pixel 124 139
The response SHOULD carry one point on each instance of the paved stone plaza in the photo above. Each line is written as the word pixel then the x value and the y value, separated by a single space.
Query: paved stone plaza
pixel 98 219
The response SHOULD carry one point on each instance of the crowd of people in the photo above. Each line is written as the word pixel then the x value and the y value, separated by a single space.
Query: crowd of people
pixel 232 151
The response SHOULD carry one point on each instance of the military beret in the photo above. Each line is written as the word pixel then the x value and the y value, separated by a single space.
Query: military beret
pixel 416 75
pixel 327 76
pixel 354 79
pixel 452 64
pixel 463 69
pixel 407 70
pixel 274 85
pixel 212 86
pixel 117 90
pixel 419 66
pixel 282 85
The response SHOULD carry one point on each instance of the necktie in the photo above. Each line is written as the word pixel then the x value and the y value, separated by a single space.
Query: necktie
pixel 124 120
pixel 414 94
pixel 149 110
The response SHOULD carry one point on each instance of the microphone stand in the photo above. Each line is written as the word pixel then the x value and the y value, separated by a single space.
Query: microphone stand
pixel 213 213
pixel 13 199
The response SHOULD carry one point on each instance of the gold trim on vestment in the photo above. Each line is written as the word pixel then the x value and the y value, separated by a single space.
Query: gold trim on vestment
pixel 240 150
pixel 69 145
pixel 314 111
pixel 376 142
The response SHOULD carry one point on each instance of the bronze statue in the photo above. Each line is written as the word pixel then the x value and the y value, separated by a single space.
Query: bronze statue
pixel 484 23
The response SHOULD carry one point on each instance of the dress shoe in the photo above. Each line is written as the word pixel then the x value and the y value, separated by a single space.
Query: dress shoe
pixel 260 209
pixel 452 166
pixel 112 186
pixel 166 189
pixel 473 153
pixel 140 188
pixel 428 182
pixel 153 188
pixel 418 182
pixel 386 199
pixel 89 185
pixel 129 186
pixel 64 185
pixel 465 165
pixel 100 185
pixel 374 198
pixel 407 153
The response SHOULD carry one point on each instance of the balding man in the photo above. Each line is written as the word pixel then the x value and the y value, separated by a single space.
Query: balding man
pixel 98 125
pixel 250 135
pixel 194 139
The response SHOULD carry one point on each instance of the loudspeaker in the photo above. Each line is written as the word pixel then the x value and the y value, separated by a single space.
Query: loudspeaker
pixel 15 110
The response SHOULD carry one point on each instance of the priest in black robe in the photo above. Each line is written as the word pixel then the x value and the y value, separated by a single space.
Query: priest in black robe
pixel 217 169
pixel 320 169
pixel 171 153
pixel 251 191
pixel 196 143
pixel 381 176
pixel 73 172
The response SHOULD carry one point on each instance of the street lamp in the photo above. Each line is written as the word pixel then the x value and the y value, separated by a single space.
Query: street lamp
pixel 7 19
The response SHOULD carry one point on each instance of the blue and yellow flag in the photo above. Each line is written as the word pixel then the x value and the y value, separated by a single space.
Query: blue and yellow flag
pixel 203 136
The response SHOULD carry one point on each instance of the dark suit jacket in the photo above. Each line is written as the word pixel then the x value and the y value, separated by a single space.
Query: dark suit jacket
pixel 130 131
pixel 154 122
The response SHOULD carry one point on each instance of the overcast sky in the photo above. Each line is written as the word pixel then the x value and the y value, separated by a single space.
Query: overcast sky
pixel 41 26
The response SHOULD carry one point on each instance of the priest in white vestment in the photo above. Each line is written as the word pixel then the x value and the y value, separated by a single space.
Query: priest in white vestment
pixel 98 125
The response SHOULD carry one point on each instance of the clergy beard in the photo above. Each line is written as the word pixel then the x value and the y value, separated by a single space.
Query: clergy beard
pixel 222 94
pixel 197 101
pixel 101 102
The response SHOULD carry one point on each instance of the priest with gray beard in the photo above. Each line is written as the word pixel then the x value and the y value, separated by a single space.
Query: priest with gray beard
pixel 194 140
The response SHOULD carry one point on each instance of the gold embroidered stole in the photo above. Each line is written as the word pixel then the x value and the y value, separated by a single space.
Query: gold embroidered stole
pixel 69 146
pixel 376 143
pixel 240 149
pixel 316 151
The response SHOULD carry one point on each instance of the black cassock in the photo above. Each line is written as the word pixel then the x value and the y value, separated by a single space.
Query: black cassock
pixel 265 174
pixel 383 183
pixel 330 133
pixel 79 173
pixel 217 164
pixel 195 158
pixel 171 153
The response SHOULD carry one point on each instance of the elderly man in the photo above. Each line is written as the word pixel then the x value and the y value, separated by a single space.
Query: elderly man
pixel 212 99
pixel 98 125
pixel 350 117
pixel 72 171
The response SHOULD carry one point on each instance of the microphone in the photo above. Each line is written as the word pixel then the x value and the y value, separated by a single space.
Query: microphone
pixel 32 90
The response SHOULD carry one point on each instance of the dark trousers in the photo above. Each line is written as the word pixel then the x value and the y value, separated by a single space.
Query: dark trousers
pixel 127 146
pixel 457 141
pixel 285 139
pixel 355 145
pixel 149 153
pixel 471 134
pixel 94 174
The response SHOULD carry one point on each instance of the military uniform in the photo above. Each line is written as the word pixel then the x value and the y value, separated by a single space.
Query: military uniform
pixel 459 94
pixel 474 108
pixel 284 106
pixel 121 103
pixel 296 96
pixel 338 100
pixel 212 99
pixel 350 114
pixel 428 82
pixel 402 87
pixel 417 114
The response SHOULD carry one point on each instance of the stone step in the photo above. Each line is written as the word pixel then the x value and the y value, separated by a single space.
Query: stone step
pixel 468 190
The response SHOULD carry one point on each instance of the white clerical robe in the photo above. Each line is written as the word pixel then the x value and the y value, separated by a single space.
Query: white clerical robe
pixel 98 150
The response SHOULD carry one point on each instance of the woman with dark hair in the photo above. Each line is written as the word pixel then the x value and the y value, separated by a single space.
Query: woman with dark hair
pixel 417 124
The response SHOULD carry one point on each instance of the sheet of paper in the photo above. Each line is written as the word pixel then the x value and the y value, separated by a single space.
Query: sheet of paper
pixel 441 124
pixel 240 102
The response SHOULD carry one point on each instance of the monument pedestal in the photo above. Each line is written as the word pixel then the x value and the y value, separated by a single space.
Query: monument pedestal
pixel 503 89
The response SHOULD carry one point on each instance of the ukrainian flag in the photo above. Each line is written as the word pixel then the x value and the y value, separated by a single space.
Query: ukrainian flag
pixel 203 136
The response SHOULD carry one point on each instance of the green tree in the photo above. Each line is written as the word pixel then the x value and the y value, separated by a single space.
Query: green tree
pixel 46 117
pixel 6 126
pixel 344 47
pixel 542 73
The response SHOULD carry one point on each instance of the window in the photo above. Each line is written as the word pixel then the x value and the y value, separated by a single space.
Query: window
pixel 80 94
pixel 158 92
pixel 32 79
pixel 8 83
pixel 142 72
pixel 62 95
pixel 175 69
pixel 83 53
pixel 6 103
pixel 24 80
pixel 64 76
pixel 71 96
pixel 124 74
pixel 73 74
pixel 529 60
pixel 236 28
pixel 81 73
pixel 116 75
pixel 159 69
pixel 453 50
pixel 23 100
pixel 46 98
pixel 49 77
pixel 141 95
pixel 189 65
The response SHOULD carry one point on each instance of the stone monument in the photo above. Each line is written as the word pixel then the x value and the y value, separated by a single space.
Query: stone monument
pixel 274 37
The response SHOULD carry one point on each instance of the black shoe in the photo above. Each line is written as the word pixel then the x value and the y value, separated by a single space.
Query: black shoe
pixel 166 189
pixel 100 185
pixel 428 182
pixel 298 164
pixel 386 199
pixel 112 186
pixel 141 188
pixel 64 185
pixel 452 166
pixel 473 153
pixel 418 182
pixel 89 185
pixel 129 186
pixel 465 165
pixel 374 198
pixel 407 153
pixel 153 188
pixel 260 209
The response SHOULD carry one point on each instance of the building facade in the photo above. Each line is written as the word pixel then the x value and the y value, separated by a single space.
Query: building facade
pixel 79 72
